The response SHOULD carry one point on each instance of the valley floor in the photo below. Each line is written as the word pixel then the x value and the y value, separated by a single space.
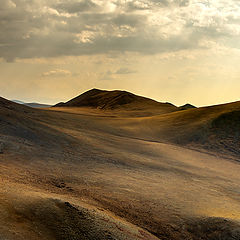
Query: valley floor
pixel 98 176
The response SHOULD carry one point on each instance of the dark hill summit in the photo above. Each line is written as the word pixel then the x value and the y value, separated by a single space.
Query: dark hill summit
pixel 103 99
pixel 187 106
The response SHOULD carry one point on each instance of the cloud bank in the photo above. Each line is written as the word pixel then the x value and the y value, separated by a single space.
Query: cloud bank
pixel 54 28
pixel 57 73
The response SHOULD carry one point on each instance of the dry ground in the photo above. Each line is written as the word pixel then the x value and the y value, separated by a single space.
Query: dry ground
pixel 80 173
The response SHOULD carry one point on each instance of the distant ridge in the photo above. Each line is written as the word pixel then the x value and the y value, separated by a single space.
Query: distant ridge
pixel 186 106
pixel 33 105
pixel 37 105
pixel 18 101
pixel 103 99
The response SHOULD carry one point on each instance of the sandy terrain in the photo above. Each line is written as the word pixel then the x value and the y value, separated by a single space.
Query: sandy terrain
pixel 85 173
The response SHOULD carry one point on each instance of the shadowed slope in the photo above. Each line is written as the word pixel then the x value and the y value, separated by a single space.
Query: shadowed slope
pixel 23 128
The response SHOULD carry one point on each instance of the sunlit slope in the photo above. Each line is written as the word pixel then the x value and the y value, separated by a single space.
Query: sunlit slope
pixel 215 128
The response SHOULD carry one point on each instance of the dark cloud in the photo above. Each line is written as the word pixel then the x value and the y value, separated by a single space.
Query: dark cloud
pixel 31 28
pixel 166 3
pixel 76 6
pixel 110 75
pixel 133 20
pixel 124 70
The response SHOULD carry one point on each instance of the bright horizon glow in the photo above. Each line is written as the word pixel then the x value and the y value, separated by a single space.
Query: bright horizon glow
pixel 168 50
pixel 31 100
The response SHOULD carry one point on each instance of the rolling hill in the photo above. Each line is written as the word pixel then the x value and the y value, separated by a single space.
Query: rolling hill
pixel 105 167
pixel 116 100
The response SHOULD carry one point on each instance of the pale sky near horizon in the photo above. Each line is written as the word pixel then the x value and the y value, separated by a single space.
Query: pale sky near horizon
pixel 178 51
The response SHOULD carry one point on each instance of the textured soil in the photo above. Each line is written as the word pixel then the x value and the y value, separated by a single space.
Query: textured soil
pixel 85 173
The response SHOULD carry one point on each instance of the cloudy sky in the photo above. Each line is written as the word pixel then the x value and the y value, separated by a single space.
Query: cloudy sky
pixel 170 50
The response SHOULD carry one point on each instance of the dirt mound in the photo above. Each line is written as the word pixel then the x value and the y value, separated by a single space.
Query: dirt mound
pixel 47 218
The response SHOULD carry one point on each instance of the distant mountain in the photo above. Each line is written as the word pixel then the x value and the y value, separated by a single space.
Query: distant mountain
pixel 37 105
pixel 186 106
pixel 33 105
pixel 116 99
pixel 17 101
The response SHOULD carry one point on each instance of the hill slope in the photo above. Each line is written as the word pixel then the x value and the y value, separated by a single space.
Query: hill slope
pixel 75 175
pixel 214 128
pixel 103 99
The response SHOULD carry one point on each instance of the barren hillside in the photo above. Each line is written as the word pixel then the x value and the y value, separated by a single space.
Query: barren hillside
pixel 119 101
pixel 100 172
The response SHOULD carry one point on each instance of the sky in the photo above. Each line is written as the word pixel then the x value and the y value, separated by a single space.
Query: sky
pixel 178 51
